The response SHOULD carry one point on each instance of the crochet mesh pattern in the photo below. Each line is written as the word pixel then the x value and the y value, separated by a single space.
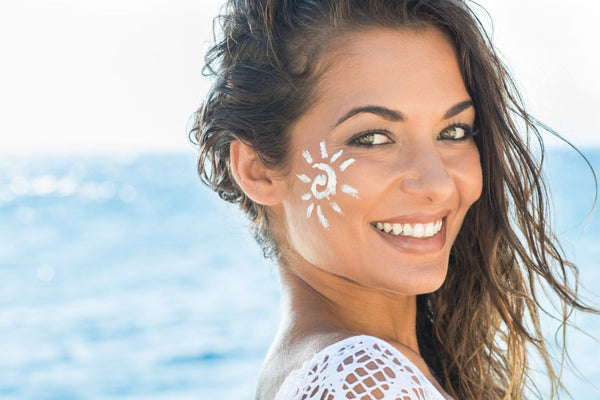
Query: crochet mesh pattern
pixel 362 368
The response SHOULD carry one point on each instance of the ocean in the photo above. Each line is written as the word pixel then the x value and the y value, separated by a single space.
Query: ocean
pixel 122 277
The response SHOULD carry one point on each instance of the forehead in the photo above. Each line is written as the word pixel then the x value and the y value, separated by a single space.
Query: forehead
pixel 405 68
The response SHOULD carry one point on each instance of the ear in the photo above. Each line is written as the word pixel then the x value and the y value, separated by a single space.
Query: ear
pixel 256 180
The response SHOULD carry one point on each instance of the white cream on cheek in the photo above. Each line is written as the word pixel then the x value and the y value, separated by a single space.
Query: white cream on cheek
pixel 324 185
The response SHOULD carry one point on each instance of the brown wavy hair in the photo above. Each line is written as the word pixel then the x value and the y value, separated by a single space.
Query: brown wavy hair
pixel 476 330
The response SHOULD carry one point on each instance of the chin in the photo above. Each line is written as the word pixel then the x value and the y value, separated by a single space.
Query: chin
pixel 419 280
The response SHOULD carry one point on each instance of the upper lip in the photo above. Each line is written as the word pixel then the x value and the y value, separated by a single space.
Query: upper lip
pixel 416 218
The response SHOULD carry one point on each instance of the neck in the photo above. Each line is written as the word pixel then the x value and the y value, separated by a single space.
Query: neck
pixel 316 298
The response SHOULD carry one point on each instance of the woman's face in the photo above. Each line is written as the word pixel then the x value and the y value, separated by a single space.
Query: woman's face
pixel 383 167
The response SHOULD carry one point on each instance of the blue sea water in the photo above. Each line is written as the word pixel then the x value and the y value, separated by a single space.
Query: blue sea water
pixel 123 278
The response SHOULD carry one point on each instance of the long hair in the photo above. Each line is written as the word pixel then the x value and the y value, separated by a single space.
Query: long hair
pixel 476 330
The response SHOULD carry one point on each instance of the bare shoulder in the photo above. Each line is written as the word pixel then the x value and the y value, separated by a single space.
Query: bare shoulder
pixel 332 364
pixel 289 352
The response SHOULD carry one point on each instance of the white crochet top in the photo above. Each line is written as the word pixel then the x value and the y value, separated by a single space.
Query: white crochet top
pixel 359 367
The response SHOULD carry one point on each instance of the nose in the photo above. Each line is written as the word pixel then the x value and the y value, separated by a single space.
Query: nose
pixel 426 175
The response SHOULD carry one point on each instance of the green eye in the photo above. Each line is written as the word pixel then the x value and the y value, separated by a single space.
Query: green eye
pixel 455 132
pixel 372 139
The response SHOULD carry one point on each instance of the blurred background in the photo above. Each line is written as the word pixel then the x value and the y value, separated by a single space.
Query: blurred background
pixel 121 277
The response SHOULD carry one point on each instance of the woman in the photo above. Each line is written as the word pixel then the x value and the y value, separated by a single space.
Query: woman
pixel 375 147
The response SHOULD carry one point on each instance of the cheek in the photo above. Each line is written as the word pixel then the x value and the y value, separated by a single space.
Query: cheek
pixel 321 186
pixel 467 175
pixel 322 196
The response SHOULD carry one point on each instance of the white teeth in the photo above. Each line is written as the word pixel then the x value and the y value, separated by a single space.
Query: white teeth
pixel 415 230
pixel 429 229
pixel 419 230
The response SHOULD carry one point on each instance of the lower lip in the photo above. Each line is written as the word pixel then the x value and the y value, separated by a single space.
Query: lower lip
pixel 414 245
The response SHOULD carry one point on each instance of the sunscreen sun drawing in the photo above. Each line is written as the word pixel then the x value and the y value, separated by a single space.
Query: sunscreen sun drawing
pixel 324 185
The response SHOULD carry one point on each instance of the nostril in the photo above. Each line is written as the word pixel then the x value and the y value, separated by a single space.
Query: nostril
pixel 434 184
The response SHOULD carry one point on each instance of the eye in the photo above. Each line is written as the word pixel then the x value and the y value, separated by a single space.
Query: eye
pixel 369 139
pixel 456 132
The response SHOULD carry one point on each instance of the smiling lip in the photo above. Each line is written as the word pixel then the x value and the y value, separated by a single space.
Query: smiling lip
pixel 417 218
pixel 416 245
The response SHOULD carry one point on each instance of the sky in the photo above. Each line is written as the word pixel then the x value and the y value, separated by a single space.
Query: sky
pixel 82 76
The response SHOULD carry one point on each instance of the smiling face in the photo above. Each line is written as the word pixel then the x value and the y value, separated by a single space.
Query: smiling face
pixel 383 166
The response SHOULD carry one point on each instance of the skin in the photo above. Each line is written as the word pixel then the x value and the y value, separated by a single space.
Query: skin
pixel 350 278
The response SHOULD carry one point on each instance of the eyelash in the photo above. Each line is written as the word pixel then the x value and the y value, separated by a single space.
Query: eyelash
pixel 354 140
pixel 469 133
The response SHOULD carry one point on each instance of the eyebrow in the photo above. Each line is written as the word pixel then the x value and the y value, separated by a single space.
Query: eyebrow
pixel 385 113
pixel 394 116
pixel 458 108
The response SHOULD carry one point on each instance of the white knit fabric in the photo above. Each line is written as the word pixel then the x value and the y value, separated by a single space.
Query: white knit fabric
pixel 359 367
